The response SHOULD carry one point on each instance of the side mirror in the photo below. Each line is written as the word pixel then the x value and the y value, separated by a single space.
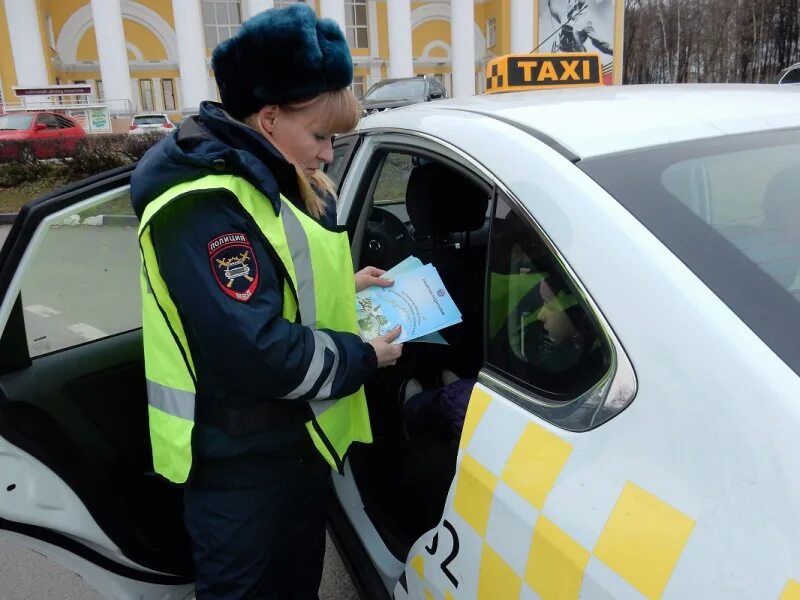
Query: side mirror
pixel 39 127
pixel 436 95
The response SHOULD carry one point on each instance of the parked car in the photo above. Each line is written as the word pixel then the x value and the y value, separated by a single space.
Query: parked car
pixel 151 123
pixel 41 135
pixel 790 74
pixel 393 93
pixel 626 263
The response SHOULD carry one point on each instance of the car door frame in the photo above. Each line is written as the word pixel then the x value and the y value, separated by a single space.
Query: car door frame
pixel 117 575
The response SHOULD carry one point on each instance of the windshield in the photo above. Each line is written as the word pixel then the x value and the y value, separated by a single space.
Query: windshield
pixel 150 120
pixel 15 122
pixel 729 208
pixel 397 90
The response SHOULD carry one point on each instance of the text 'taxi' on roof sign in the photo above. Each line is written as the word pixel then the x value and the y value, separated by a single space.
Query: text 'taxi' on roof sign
pixel 517 72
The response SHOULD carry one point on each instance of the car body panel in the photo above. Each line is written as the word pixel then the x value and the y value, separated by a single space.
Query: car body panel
pixel 625 117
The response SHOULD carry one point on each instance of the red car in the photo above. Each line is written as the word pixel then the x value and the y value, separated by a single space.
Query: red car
pixel 48 135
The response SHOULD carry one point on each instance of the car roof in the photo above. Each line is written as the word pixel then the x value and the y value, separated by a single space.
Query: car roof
pixel 604 120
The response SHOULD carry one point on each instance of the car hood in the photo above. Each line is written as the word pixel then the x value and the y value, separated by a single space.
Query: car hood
pixel 371 105
pixel 211 143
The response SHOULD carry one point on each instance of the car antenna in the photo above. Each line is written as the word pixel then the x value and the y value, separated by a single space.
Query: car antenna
pixel 564 24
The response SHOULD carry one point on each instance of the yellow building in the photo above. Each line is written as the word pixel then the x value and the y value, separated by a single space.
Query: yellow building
pixel 154 54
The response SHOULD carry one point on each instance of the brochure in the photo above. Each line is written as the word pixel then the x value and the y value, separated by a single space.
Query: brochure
pixel 418 301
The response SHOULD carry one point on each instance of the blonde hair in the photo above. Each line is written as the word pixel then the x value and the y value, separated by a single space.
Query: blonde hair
pixel 341 112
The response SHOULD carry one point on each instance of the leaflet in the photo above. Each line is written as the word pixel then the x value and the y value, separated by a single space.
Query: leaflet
pixel 418 301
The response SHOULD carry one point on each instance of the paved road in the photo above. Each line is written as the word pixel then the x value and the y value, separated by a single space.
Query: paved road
pixel 67 256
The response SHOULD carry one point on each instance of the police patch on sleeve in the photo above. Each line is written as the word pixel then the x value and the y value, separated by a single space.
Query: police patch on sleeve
pixel 234 265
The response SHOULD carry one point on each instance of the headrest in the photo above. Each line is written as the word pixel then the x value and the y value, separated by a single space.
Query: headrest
pixel 440 200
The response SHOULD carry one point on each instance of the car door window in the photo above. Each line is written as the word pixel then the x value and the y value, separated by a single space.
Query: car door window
pixel 393 179
pixel 64 123
pixel 48 120
pixel 540 334
pixel 81 282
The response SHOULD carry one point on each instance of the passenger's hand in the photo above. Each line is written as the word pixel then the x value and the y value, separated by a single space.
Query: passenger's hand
pixel 387 352
pixel 371 276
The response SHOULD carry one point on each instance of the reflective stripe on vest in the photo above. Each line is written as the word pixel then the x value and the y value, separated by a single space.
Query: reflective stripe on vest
pixel 314 258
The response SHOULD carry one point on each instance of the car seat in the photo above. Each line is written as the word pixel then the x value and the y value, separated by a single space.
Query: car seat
pixel 447 211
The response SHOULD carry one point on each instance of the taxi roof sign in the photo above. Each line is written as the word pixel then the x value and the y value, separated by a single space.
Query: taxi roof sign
pixel 519 72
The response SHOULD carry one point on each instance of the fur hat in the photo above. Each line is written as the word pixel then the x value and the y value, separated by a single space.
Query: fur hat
pixel 279 56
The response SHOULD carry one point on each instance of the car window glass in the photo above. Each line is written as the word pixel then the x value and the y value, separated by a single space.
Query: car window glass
pixel 150 120
pixel 64 123
pixel 540 334
pixel 49 120
pixel 15 122
pixel 82 283
pixel 393 179
pixel 792 76
pixel 342 151
pixel 752 198
pixel 397 90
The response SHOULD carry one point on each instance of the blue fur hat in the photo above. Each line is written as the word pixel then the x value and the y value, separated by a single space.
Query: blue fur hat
pixel 279 56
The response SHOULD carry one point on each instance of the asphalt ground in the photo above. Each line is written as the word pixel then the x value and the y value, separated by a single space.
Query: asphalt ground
pixel 76 289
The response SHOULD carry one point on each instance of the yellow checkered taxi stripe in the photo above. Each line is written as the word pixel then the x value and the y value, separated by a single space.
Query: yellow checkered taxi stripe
pixel 508 548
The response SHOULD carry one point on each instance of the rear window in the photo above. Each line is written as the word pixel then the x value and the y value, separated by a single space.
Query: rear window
pixel 15 122
pixel 729 208
pixel 150 120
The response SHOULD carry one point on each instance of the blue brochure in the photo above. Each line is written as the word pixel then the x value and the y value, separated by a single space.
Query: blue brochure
pixel 418 301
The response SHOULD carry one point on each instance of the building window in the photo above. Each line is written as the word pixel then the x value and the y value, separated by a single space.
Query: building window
pixel 357 28
pixel 221 19
pixel 168 91
pixel 80 99
pixel 359 85
pixel 491 32
pixel 146 94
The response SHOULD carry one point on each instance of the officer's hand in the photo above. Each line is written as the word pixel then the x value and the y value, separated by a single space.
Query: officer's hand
pixel 387 352
pixel 371 276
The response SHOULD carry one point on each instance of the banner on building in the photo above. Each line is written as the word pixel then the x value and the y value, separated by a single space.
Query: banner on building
pixel 99 120
pixel 584 26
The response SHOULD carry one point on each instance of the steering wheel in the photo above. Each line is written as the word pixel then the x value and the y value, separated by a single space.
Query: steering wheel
pixel 386 240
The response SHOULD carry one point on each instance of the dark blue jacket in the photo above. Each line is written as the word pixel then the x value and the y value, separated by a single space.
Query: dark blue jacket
pixel 244 352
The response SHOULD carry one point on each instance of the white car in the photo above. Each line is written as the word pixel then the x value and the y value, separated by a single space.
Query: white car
pixel 150 123
pixel 626 261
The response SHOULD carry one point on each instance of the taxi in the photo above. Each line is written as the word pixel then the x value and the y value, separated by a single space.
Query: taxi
pixel 637 438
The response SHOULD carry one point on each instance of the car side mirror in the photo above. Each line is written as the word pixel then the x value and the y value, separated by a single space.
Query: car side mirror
pixel 39 126
pixel 435 95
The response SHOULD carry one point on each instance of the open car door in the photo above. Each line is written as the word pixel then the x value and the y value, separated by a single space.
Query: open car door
pixel 76 476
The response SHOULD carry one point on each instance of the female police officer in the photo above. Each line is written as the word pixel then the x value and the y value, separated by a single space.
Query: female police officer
pixel 254 371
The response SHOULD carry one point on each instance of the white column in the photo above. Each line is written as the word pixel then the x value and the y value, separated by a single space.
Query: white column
pixel 401 59
pixel 191 53
pixel 256 6
pixel 333 9
pixel 26 46
pixel 462 36
pixel 521 26
pixel 374 44
pixel 136 98
pixel 112 52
